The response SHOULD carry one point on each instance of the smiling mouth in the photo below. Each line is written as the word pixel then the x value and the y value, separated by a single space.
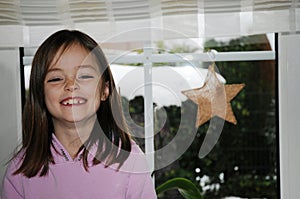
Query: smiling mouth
pixel 73 101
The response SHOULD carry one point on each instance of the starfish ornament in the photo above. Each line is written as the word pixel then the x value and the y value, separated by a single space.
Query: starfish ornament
pixel 213 98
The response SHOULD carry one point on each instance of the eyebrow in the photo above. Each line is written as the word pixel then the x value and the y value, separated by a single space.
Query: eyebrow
pixel 87 66
pixel 54 69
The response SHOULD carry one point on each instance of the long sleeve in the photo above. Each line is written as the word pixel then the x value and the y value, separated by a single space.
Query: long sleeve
pixel 11 185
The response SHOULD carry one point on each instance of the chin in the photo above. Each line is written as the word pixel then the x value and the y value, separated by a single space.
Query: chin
pixel 82 119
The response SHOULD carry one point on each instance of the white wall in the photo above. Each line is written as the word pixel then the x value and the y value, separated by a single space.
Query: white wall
pixel 289 115
pixel 11 38
pixel 10 104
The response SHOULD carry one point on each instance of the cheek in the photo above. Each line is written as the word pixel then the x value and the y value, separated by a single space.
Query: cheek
pixel 95 95
pixel 50 96
pixel 97 98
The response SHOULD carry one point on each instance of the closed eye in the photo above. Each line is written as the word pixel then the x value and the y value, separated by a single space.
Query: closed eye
pixel 54 79
pixel 86 76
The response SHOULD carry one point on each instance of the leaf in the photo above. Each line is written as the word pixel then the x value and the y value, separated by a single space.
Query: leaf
pixel 185 187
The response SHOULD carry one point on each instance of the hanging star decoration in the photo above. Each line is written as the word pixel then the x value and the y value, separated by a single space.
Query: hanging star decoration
pixel 213 98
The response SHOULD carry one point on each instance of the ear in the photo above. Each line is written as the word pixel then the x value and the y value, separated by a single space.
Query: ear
pixel 105 92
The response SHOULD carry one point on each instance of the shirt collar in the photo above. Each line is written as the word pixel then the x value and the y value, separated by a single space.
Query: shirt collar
pixel 60 153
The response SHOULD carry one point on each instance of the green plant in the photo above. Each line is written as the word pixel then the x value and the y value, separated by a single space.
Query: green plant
pixel 185 187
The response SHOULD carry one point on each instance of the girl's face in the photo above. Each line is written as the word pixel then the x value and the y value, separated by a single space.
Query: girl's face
pixel 72 92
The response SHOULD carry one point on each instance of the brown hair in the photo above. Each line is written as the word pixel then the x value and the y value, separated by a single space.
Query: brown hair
pixel 37 130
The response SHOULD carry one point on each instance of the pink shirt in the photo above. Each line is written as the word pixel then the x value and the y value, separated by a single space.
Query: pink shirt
pixel 67 179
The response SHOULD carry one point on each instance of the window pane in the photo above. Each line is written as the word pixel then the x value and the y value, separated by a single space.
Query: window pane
pixel 243 163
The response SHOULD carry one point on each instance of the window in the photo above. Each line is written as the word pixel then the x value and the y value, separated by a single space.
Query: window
pixel 244 161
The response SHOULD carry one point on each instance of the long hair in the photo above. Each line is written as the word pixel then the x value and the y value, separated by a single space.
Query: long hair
pixel 110 131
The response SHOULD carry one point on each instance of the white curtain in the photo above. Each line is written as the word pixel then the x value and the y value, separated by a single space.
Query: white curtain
pixel 139 20
pixel 168 19
pixel 251 17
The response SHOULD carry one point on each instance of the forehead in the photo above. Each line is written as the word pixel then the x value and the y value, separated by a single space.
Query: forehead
pixel 73 55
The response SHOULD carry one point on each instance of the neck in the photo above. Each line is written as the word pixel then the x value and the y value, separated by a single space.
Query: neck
pixel 73 135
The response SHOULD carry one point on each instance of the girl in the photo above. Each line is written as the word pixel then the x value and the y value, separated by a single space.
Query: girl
pixel 75 140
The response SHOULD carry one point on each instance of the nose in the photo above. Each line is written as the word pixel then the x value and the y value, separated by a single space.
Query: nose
pixel 71 85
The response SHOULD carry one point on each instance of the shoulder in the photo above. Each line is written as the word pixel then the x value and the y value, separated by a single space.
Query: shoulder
pixel 136 161
pixel 13 165
pixel 12 183
pixel 135 148
pixel 16 161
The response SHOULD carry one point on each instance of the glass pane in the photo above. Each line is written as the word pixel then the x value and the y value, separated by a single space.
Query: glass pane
pixel 243 163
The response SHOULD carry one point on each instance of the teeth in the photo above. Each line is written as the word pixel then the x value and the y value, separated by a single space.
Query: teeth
pixel 73 102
